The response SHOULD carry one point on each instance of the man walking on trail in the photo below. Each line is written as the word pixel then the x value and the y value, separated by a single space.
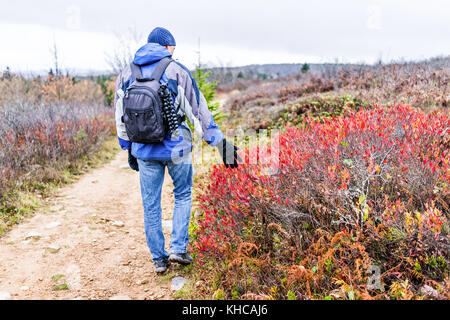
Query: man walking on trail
pixel 153 62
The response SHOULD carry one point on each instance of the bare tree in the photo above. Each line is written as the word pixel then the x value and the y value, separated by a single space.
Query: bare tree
pixel 54 51
pixel 125 46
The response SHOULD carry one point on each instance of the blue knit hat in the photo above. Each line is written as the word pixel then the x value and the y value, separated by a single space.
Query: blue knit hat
pixel 161 36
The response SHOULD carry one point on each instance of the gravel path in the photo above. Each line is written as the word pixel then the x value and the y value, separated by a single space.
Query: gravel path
pixel 88 243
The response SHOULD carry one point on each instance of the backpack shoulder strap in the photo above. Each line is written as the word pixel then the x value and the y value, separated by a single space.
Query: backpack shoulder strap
pixel 160 68
pixel 157 73
pixel 136 72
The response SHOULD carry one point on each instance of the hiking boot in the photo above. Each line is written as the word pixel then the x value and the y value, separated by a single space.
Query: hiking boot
pixel 181 258
pixel 161 265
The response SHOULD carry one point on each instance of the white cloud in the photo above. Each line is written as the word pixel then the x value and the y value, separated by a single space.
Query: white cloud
pixel 28 47
pixel 233 32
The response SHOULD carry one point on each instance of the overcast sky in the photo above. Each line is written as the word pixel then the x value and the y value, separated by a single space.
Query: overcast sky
pixel 232 32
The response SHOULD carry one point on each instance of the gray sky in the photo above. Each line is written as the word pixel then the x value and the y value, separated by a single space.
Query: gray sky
pixel 232 32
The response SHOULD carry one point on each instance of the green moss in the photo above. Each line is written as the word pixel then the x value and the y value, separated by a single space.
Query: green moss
pixel 61 286
pixel 56 277
pixel 319 106
pixel 235 295
pixel 219 295
pixel 187 292
pixel 291 295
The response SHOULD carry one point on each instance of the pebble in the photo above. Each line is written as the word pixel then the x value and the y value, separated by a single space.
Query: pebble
pixel 54 248
pixel 24 288
pixel 120 297
pixel 143 281
pixel 118 224
pixel 124 166
pixel 178 283
pixel 52 225
pixel 197 214
pixel 5 295
pixel 429 292
pixel 167 225
pixel 33 235
pixel 337 294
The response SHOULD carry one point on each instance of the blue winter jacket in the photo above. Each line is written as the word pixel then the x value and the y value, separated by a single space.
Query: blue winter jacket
pixel 188 100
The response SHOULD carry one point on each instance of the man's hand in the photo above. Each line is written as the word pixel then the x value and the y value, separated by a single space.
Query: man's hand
pixel 229 154
pixel 132 161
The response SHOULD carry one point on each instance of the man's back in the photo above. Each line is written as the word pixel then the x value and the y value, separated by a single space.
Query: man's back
pixel 154 158
pixel 188 101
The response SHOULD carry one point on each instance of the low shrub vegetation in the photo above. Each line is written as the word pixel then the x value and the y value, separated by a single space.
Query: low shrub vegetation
pixel 48 130
pixel 421 84
pixel 358 209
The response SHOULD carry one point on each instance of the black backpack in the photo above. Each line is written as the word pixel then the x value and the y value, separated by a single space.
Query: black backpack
pixel 143 108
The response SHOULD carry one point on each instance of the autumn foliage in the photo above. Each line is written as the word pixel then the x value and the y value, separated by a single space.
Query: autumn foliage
pixel 357 194
pixel 422 84
pixel 46 126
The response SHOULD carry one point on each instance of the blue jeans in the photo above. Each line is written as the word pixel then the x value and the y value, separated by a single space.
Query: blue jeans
pixel 152 177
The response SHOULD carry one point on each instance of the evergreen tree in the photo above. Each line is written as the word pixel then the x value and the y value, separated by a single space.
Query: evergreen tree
pixel 262 76
pixel 209 91
pixel 305 68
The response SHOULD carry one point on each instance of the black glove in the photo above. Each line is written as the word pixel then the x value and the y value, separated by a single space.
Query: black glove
pixel 229 154
pixel 132 161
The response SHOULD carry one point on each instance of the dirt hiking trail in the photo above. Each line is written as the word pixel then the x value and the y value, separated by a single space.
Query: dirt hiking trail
pixel 89 243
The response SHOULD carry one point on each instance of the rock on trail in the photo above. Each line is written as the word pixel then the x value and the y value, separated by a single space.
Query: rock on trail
pixel 120 297
pixel 5 295
pixel 178 283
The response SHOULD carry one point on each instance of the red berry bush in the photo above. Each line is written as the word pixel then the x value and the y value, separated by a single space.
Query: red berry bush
pixel 354 195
